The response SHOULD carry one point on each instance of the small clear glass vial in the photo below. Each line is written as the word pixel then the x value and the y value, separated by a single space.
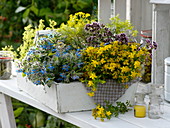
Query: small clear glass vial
pixel 154 110
pixel 140 106
pixel 5 65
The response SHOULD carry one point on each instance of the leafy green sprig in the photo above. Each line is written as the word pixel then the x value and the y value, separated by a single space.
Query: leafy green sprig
pixel 110 110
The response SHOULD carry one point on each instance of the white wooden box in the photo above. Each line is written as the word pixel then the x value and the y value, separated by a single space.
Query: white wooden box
pixel 61 98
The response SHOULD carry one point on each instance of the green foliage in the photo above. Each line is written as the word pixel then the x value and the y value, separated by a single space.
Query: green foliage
pixel 73 30
pixel 119 26
pixel 18 13
pixel 29 34
pixel 110 110
pixel 27 116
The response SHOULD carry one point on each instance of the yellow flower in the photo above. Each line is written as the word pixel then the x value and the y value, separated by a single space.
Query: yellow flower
pixel 93 75
pixel 133 47
pixel 141 52
pixel 90 94
pixel 137 64
pixel 94 89
pixel 89 49
pixel 90 83
pixel 101 109
pixel 108 113
pixel 102 61
pixel 100 51
pixel 125 69
pixel 126 86
pixel 131 55
pixel 116 42
pixel 126 62
pixel 95 63
pixel 112 66
pixel 133 74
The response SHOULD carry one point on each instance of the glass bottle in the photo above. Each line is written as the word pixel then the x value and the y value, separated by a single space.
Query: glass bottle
pixel 5 65
pixel 154 111
pixel 140 106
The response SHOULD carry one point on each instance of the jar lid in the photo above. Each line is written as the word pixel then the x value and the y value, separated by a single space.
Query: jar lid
pixel 5 58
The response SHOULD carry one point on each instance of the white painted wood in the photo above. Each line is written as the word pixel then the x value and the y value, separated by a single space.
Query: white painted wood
pixel 146 15
pixel 120 9
pixel 145 122
pixel 84 119
pixel 139 13
pixel 6 113
pixel 160 1
pixel 60 97
pixel 161 34
pixel 67 97
pixel 104 11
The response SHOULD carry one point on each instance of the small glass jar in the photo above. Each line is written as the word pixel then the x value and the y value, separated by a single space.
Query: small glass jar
pixel 154 111
pixel 5 65
pixel 140 106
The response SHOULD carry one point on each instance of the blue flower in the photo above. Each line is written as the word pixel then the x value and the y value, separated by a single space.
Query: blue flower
pixel 26 73
pixel 78 50
pixel 60 79
pixel 75 77
pixel 43 46
pixel 42 38
pixel 50 35
pixel 62 75
pixel 65 53
pixel 80 64
pixel 78 54
pixel 42 71
pixel 57 54
pixel 51 67
pixel 47 79
pixel 68 48
pixel 66 67
pixel 37 82
pixel 54 50
pixel 30 52
pixel 19 70
pixel 51 44
pixel 107 43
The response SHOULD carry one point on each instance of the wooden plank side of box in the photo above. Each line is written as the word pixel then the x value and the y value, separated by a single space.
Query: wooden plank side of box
pixel 61 97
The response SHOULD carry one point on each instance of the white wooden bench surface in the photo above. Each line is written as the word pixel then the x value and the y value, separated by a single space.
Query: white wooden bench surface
pixel 8 88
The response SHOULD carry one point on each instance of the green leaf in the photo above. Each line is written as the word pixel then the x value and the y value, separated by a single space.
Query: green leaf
pixel 26 13
pixel 34 9
pixel 44 11
pixel 19 9
pixel 18 111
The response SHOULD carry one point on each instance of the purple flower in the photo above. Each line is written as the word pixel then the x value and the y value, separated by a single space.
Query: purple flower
pixel 155 45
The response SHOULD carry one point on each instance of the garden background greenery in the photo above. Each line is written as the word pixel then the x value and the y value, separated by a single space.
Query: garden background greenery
pixel 14 16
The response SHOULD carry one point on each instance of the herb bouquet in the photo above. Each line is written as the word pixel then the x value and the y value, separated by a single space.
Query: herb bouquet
pixel 98 55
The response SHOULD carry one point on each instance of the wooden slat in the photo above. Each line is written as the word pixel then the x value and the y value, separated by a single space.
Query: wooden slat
pixel 6 113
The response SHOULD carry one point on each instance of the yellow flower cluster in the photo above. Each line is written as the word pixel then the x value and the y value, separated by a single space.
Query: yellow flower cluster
pixel 29 34
pixel 100 112
pixel 74 28
pixel 118 61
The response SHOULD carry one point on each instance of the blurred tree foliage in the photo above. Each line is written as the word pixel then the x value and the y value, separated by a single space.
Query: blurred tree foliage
pixel 15 14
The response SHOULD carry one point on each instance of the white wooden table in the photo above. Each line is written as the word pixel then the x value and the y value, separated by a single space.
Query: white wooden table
pixel 8 89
